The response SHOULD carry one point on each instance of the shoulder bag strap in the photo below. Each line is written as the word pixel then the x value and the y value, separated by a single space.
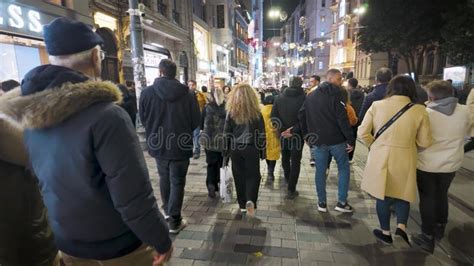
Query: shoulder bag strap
pixel 392 120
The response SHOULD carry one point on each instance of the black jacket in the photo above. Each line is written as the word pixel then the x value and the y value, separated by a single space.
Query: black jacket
pixel 324 118
pixel 25 235
pixel 212 125
pixel 129 102
pixel 170 112
pixel 237 135
pixel 285 109
pixel 357 98
pixel 91 169
pixel 377 94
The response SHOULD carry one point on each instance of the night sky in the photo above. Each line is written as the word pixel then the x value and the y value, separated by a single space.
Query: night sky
pixel 286 5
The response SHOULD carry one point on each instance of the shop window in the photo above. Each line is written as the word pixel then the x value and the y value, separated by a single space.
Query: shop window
pixel 441 64
pixel 110 63
pixel 430 63
pixel 220 16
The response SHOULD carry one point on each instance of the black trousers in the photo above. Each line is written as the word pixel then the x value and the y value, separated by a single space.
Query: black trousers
pixel 291 153
pixel 214 161
pixel 351 154
pixel 433 190
pixel 469 146
pixel 246 171
pixel 271 166
pixel 172 181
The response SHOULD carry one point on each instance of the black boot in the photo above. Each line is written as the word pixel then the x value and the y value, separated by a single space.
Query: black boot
pixel 401 233
pixel 387 239
pixel 424 241
pixel 211 190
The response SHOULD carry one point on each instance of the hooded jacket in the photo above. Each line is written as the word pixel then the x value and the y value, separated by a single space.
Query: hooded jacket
pixel 323 117
pixel 92 173
pixel 357 98
pixel 26 238
pixel 170 112
pixel 450 124
pixel 212 125
pixel 286 107
pixel 376 95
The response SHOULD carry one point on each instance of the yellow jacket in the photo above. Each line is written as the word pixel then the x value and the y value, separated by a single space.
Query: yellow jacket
pixel 273 142
pixel 201 98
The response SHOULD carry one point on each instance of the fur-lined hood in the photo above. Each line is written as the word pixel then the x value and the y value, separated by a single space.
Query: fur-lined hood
pixel 52 106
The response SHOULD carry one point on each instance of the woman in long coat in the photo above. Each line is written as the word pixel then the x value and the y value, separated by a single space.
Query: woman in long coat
pixel 390 173
pixel 273 140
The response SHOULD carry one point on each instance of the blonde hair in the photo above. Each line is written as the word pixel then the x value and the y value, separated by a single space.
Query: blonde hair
pixel 217 95
pixel 243 105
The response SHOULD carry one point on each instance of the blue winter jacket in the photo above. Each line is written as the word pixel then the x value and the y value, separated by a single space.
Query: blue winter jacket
pixel 91 170
pixel 376 95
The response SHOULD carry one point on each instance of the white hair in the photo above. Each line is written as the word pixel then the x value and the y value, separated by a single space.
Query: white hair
pixel 73 60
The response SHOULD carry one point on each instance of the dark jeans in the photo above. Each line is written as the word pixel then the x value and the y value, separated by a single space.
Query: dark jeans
pixel 246 171
pixel 214 163
pixel 271 167
pixel 196 139
pixel 322 155
pixel 291 153
pixel 351 154
pixel 433 190
pixel 172 182
pixel 402 209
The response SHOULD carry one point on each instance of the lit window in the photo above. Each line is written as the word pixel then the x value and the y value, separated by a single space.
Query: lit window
pixel 322 33
pixel 323 18
pixel 340 56
pixel 342 29
pixel 320 65
pixel 342 8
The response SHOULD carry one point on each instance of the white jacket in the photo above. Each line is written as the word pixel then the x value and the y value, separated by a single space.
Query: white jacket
pixel 450 124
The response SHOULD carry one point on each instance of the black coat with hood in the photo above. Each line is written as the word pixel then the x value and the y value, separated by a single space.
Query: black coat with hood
pixel 212 125
pixel 170 112
pixel 25 235
pixel 92 173
pixel 324 118
pixel 286 107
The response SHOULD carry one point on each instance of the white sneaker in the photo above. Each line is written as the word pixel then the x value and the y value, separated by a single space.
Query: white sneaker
pixel 322 207
pixel 250 206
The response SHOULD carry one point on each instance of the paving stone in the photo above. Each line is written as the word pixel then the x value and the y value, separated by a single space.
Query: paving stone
pixel 230 257
pixel 207 236
pixel 180 262
pixel 187 243
pixel 311 237
pixel 197 254
pixel 307 255
pixel 252 232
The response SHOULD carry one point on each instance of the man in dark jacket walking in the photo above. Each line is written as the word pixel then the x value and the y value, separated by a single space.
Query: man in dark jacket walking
pixel 285 117
pixel 170 113
pixel 326 128
pixel 85 152
pixel 382 77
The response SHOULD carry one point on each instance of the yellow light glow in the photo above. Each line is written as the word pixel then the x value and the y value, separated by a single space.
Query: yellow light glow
pixel 105 21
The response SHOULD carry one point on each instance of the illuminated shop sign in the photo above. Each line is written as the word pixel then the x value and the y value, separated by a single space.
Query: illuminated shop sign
pixel 16 18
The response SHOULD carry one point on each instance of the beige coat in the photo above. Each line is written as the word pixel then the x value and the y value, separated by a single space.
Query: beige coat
pixel 470 104
pixel 391 165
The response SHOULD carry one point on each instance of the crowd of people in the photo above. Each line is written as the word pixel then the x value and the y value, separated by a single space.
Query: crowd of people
pixel 69 145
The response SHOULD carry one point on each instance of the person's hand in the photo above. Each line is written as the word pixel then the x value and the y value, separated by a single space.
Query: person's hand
pixel 287 133
pixel 349 148
pixel 160 259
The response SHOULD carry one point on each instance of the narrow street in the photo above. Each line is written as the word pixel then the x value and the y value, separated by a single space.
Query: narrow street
pixel 293 232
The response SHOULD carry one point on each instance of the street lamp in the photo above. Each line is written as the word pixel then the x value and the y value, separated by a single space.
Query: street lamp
pixel 360 10
pixel 274 13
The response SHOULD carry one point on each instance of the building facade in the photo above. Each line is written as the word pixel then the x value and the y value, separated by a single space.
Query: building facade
pixel 21 32
pixel 168 33
pixel 202 43
pixel 344 26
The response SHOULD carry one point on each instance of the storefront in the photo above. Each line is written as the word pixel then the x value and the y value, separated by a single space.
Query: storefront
pixel 153 56
pixel 21 34
pixel 201 44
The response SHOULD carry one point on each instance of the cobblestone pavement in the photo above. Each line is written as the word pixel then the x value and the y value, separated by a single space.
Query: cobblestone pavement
pixel 293 232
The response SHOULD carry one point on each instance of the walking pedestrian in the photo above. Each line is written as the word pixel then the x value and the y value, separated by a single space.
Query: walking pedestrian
pixel 314 83
pixel 244 131
pixel 201 99
pixel 129 103
pixel 382 77
pixel 353 120
pixel 285 116
pixel 26 237
pixel 393 129
pixel 437 165
pixel 326 128
pixel 272 138
pixel 469 146
pixel 85 152
pixel 170 114
pixel 212 138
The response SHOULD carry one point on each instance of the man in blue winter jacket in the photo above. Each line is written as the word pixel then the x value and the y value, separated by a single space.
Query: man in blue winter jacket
pixel 84 150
